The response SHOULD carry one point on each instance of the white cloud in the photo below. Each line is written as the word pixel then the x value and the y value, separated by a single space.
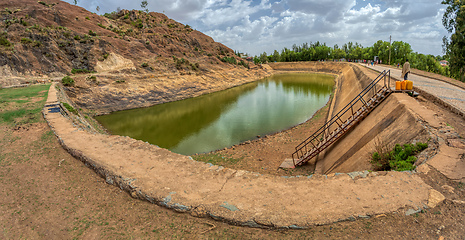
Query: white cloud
pixel 255 26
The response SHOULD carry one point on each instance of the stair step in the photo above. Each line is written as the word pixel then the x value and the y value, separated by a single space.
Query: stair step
pixel 326 137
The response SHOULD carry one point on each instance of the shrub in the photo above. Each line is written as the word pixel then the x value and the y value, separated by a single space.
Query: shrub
pixel 77 71
pixel 4 42
pixel 26 41
pixel 195 66
pixel 113 15
pixel 144 65
pixel 92 33
pixel 24 23
pixel 401 158
pixel 36 44
pixel 230 60
pixel 77 37
pixel 67 81
pixel 246 65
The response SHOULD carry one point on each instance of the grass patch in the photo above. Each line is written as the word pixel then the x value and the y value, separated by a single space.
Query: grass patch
pixel 70 108
pixel 401 158
pixel 29 110
pixel 20 94
pixel 216 159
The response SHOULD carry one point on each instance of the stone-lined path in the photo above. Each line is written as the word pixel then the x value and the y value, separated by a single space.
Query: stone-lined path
pixel 447 92
pixel 240 197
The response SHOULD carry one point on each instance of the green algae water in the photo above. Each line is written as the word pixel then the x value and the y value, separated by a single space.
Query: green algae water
pixel 228 117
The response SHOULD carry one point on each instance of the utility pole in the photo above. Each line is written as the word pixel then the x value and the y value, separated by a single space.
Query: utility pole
pixel 389 49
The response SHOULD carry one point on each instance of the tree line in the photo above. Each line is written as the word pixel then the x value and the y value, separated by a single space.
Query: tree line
pixel 454 48
pixel 400 52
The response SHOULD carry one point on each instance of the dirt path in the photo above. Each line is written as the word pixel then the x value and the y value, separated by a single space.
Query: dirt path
pixel 447 92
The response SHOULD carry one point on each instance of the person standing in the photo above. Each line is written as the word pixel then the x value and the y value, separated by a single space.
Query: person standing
pixel 405 70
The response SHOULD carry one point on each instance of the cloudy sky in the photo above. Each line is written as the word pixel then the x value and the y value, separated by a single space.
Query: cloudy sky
pixel 257 26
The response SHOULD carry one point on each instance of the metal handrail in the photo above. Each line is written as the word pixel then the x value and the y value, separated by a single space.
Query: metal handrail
pixel 322 134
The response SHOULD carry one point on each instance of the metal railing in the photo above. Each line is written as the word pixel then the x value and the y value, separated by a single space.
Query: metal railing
pixel 347 117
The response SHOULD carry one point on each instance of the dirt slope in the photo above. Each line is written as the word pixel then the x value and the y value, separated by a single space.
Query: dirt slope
pixel 148 58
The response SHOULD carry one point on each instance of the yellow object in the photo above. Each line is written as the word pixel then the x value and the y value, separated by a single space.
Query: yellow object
pixel 403 85
pixel 408 85
pixel 398 85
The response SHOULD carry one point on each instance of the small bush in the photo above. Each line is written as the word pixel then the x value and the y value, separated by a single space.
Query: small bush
pixel 36 44
pixel 230 60
pixel 26 41
pixel 101 25
pixel 36 27
pixel 24 23
pixel 92 33
pixel 77 37
pixel 67 81
pixel 78 71
pixel 246 65
pixel 87 18
pixel 195 66
pixel 401 158
pixel 4 42
pixel 144 65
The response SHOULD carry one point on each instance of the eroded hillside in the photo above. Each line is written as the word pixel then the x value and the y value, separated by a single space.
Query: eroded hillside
pixel 121 60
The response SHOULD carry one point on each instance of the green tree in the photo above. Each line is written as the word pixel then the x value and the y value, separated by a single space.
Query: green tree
pixel 144 5
pixel 338 53
pixel 454 22
pixel 263 58
pixel 400 52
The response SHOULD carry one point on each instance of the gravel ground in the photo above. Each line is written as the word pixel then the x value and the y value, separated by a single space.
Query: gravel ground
pixel 448 93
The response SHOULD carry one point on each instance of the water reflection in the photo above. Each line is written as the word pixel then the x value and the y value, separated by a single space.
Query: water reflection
pixel 225 118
